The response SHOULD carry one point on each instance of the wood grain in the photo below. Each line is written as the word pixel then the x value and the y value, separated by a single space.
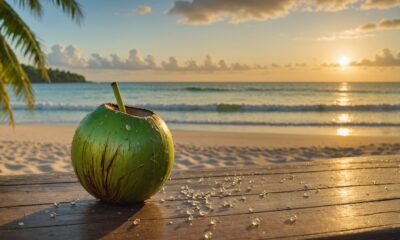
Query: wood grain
pixel 350 198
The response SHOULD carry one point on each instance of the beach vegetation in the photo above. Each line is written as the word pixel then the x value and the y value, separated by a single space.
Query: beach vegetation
pixel 55 75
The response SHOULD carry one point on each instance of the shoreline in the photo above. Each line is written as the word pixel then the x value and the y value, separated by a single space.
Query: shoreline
pixel 63 133
pixel 30 149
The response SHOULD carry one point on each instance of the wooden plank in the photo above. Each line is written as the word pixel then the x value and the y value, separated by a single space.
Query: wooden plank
pixel 349 220
pixel 273 202
pixel 61 192
pixel 70 177
pixel 284 168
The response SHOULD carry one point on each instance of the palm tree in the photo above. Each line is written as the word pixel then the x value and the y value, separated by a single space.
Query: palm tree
pixel 16 35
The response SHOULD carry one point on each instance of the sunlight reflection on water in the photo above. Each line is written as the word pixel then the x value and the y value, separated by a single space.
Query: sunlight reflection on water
pixel 343 131
pixel 343 118
pixel 343 98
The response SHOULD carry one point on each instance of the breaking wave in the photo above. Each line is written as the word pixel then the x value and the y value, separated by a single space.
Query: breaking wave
pixel 224 107
pixel 280 89
pixel 287 124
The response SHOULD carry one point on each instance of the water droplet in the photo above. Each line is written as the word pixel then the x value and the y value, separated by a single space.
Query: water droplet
pixel 263 194
pixel 21 223
pixel 227 204
pixel 307 186
pixel 202 213
pixel 251 209
pixel 213 222
pixel 208 235
pixel 190 218
pixel 128 127
pixel 55 204
pixel 162 200
pixel 292 219
pixel 72 203
pixel 53 215
pixel 255 222
pixel 136 221
pixel 306 194
pixel 171 222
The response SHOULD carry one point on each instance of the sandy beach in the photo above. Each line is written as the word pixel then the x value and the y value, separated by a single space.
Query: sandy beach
pixel 45 148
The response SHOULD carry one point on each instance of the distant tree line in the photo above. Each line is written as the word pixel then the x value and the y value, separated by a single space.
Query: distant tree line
pixel 56 75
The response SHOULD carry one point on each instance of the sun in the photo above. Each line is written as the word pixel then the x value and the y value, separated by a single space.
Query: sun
pixel 344 61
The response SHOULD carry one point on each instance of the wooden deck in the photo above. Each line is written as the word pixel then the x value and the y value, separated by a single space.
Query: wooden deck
pixel 349 198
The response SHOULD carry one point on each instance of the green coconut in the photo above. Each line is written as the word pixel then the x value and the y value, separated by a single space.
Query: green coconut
pixel 122 157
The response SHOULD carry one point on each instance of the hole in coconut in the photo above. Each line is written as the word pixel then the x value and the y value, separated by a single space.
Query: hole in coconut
pixel 137 112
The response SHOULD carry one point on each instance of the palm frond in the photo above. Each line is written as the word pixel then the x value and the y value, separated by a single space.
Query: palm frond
pixel 11 72
pixel 70 7
pixel 34 6
pixel 14 28
pixel 5 104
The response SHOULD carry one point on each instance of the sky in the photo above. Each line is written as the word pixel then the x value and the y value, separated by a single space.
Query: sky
pixel 225 40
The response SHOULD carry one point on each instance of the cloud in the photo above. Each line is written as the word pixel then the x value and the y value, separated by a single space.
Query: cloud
pixel 301 65
pixel 330 65
pixel 143 10
pixel 97 61
pixel 208 65
pixel 274 65
pixel 65 57
pixel 191 65
pixel 345 35
pixel 383 24
pixel 243 67
pixel 363 31
pixel 380 4
pixel 205 11
pixel 330 5
pixel 171 64
pixel 72 57
pixel 383 59
pixel 135 61
pixel 237 11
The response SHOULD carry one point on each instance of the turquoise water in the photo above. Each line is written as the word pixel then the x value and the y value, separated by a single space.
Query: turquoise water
pixel 327 108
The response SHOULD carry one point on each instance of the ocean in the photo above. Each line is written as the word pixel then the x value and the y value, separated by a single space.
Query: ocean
pixel 298 108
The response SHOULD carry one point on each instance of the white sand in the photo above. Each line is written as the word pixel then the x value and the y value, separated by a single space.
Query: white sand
pixel 45 148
